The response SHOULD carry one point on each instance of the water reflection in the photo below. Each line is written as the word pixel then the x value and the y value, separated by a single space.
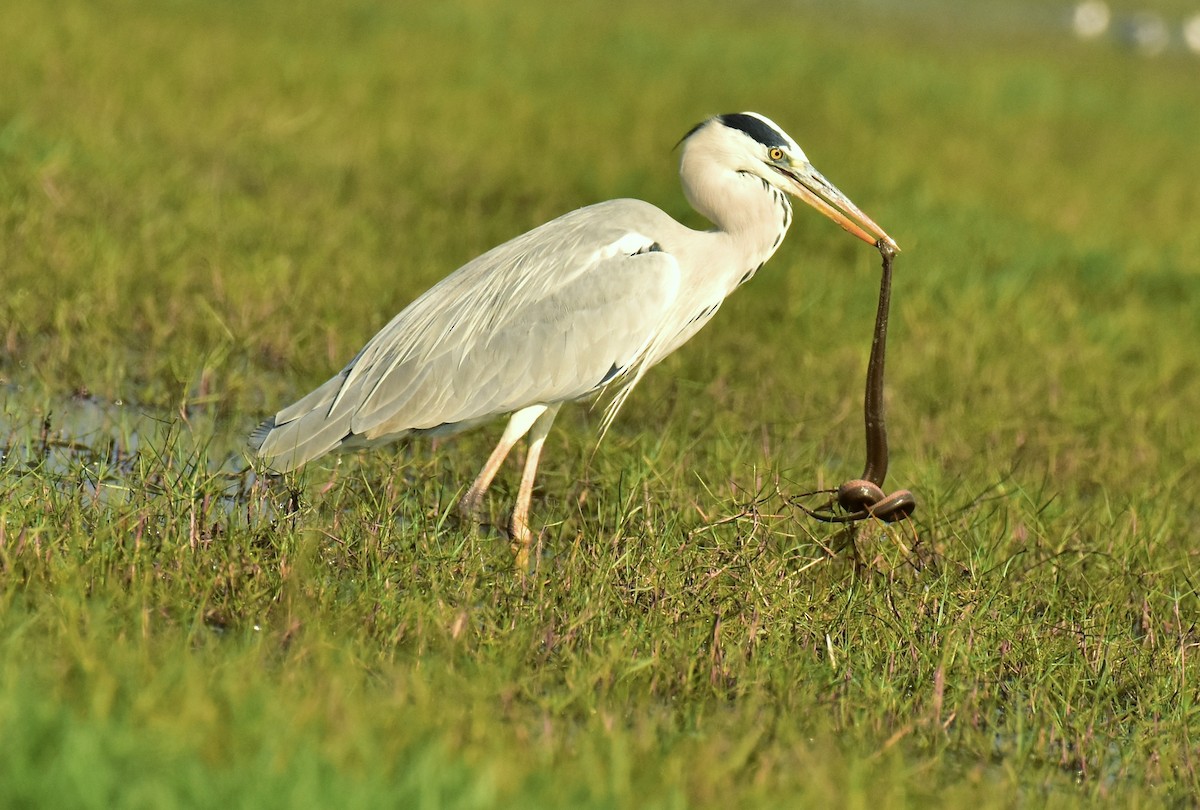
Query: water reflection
pixel 114 453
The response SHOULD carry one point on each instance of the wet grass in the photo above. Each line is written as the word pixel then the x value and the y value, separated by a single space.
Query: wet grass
pixel 208 207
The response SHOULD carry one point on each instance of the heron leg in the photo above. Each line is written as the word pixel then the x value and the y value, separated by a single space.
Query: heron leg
pixel 522 537
pixel 518 426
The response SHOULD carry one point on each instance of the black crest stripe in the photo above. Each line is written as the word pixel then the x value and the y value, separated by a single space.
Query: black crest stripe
pixel 693 131
pixel 755 128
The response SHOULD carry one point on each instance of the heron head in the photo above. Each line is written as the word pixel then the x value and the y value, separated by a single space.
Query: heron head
pixel 753 144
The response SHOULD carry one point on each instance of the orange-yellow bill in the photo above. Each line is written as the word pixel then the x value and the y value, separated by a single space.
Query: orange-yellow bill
pixel 811 187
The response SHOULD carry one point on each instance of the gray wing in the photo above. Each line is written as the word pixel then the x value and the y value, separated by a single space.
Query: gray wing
pixel 550 316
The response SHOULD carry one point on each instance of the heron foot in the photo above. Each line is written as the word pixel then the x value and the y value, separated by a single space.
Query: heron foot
pixel 522 555
pixel 522 544
pixel 469 504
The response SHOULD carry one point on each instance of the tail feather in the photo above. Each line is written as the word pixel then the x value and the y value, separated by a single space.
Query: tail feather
pixel 302 431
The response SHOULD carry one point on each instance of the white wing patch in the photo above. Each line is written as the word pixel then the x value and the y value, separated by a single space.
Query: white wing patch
pixel 630 244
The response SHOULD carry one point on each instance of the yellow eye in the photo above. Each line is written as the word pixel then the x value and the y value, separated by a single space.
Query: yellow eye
pixel 776 153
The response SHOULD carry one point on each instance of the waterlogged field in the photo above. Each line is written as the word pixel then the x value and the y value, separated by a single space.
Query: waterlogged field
pixel 206 208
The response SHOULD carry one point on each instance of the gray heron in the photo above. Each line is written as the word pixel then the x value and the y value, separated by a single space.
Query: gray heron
pixel 584 304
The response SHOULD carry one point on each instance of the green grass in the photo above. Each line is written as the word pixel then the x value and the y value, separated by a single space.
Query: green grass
pixel 207 207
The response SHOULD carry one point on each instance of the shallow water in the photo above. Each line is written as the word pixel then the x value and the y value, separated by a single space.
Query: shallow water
pixel 106 450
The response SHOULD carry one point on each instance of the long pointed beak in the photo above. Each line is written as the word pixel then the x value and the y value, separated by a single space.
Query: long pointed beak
pixel 809 185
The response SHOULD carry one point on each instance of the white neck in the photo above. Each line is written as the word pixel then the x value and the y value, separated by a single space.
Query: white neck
pixel 750 215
